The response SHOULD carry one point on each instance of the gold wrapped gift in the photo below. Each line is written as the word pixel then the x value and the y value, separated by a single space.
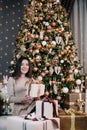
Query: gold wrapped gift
pixel 71 100
pixel 73 120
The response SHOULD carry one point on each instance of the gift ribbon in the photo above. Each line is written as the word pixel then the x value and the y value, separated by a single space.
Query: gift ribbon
pixel 46 99
pixel 69 103
pixel 72 112
pixel 72 121
pixel 38 92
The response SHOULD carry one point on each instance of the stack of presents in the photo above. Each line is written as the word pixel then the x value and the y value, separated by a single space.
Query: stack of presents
pixel 49 116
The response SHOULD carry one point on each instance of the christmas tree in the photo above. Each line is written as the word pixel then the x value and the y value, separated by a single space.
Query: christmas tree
pixel 46 39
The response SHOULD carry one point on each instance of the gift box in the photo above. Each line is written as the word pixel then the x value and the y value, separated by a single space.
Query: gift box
pixel 37 90
pixel 48 109
pixel 19 123
pixel 71 100
pixel 70 122
pixel 53 124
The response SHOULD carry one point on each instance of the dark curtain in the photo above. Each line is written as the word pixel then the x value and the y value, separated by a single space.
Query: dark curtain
pixel 68 4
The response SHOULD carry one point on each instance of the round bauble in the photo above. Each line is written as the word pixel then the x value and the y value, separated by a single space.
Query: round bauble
pixel 47 93
pixel 53 24
pixel 46 38
pixel 47 64
pixel 35 69
pixel 65 90
pixel 43 74
pixel 78 82
pixel 46 71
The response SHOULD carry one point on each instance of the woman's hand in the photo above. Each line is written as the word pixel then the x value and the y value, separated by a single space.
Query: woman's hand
pixel 27 99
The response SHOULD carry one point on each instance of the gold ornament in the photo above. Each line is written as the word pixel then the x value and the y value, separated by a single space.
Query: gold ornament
pixel 39 47
pixel 36 36
pixel 40 18
pixel 38 58
pixel 42 74
pixel 58 97
pixel 51 1
pixel 42 0
pixel 63 79
pixel 35 69
pixel 30 50
pixel 53 82
pixel 51 11
pixel 53 24
pixel 59 55
pixel 47 93
pixel 32 60
pixel 49 27
pixel 46 71
pixel 65 24
pixel 46 38
pixel 47 64
pixel 68 80
pixel 57 29
pixel 32 44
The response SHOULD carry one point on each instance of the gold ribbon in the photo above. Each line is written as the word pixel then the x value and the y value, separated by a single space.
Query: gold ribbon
pixel 72 121
pixel 69 103
pixel 38 92
pixel 72 112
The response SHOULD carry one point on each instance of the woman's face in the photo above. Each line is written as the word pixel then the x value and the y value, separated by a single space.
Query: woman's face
pixel 24 66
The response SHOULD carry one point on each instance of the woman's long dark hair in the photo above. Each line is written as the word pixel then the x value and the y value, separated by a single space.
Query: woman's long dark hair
pixel 17 71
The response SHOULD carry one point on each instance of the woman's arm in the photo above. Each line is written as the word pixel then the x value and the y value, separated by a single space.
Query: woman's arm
pixel 11 92
pixel 12 96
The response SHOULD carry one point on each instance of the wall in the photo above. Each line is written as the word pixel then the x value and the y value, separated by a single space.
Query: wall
pixel 11 14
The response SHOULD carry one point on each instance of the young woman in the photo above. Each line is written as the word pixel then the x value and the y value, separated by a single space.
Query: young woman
pixel 18 86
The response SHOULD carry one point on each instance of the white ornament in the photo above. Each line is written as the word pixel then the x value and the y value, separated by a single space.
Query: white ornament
pixel 51 70
pixel 77 90
pixel 40 78
pixel 57 69
pixel 70 71
pixel 12 62
pixel 62 61
pixel 5 79
pixel 65 90
pixel 23 48
pixel 36 51
pixel 76 71
pixel 41 35
pixel 46 23
pixel 18 56
pixel 53 42
pixel 44 43
pixel 55 89
pixel 78 82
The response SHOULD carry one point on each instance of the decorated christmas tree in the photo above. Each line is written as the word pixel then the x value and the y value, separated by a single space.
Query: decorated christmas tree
pixel 46 39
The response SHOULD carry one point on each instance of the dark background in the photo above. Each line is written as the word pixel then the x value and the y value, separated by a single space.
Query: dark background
pixel 11 14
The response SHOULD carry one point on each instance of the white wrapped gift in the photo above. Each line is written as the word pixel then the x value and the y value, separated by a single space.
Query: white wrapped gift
pixel 37 90
pixel 47 109
pixel 19 123
pixel 15 123
pixel 50 125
